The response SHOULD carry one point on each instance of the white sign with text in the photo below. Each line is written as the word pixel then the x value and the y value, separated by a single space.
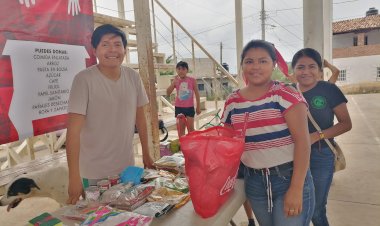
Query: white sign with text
pixel 42 77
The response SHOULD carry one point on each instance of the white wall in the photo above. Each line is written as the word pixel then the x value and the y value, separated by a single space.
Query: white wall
pixel 164 81
pixel 358 69
pixel 343 40
pixel 347 40
pixel 374 37
pixel 204 67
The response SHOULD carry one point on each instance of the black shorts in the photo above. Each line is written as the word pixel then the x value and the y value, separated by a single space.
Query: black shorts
pixel 188 112
pixel 240 174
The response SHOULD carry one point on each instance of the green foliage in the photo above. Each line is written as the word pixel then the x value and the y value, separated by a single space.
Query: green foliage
pixel 169 72
pixel 278 75
pixel 169 59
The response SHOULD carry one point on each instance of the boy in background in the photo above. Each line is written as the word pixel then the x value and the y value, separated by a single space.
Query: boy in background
pixel 106 102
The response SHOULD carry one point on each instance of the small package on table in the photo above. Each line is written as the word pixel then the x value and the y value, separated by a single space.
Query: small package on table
pixel 165 148
pixel 45 219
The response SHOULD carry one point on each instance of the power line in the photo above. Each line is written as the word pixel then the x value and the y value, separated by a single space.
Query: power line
pixel 336 3
pixel 286 29
pixel 222 25
pixel 179 54
pixel 294 8
pixel 282 41
pixel 200 6
pixel 173 31
pixel 263 17
pixel 244 3
pixel 348 17
pixel 126 11
pixel 286 17
pixel 215 27
pixel 286 9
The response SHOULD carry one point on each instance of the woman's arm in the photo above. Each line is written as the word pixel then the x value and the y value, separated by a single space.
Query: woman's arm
pixel 344 124
pixel 334 70
pixel 296 119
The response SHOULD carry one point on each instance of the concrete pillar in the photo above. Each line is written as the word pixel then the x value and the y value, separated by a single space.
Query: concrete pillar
pixel 317 26
pixel 120 9
pixel 327 22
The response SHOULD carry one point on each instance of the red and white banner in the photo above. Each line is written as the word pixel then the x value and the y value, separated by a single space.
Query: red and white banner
pixel 43 45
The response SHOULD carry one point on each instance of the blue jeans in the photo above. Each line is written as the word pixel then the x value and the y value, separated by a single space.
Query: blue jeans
pixel 322 169
pixel 256 191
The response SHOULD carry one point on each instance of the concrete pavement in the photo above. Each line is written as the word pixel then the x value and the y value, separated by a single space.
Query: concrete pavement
pixel 355 194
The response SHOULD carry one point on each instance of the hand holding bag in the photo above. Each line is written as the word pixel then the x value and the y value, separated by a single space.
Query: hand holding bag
pixel 212 159
pixel 340 160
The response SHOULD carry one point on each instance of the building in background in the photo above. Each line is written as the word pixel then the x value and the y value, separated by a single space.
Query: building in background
pixel 356 48
pixel 208 77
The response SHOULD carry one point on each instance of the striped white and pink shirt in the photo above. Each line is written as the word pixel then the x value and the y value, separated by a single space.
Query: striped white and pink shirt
pixel 268 141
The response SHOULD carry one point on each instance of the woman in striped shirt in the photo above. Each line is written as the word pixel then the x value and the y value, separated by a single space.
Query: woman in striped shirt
pixel 278 182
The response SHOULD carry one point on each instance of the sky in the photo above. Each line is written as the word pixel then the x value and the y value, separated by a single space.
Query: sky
pixel 212 22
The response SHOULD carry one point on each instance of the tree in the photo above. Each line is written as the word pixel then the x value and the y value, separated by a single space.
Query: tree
pixel 278 75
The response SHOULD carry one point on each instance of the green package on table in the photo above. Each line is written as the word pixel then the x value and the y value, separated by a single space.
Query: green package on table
pixel 174 146
pixel 45 219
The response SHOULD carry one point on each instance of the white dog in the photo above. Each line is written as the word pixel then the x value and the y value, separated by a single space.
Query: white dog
pixel 50 182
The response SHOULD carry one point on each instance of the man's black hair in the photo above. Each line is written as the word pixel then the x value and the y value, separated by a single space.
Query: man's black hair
pixel 107 29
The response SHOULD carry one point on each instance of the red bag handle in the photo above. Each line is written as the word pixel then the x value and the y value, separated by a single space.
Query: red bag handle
pixel 182 117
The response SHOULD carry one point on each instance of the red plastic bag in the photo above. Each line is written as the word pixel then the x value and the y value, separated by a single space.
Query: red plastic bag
pixel 212 159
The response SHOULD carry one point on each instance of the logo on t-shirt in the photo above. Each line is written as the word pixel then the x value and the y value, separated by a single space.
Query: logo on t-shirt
pixel 318 102
pixel 184 91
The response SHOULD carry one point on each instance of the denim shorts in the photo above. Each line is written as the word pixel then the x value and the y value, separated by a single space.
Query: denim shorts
pixel 268 204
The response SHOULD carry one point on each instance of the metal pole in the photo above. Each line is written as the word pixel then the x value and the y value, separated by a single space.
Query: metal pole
pixel 193 56
pixel 95 6
pixel 120 9
pixel 173 41
pixel 154 28
pixel 239 39
pixel 221 53
pixel 262 20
